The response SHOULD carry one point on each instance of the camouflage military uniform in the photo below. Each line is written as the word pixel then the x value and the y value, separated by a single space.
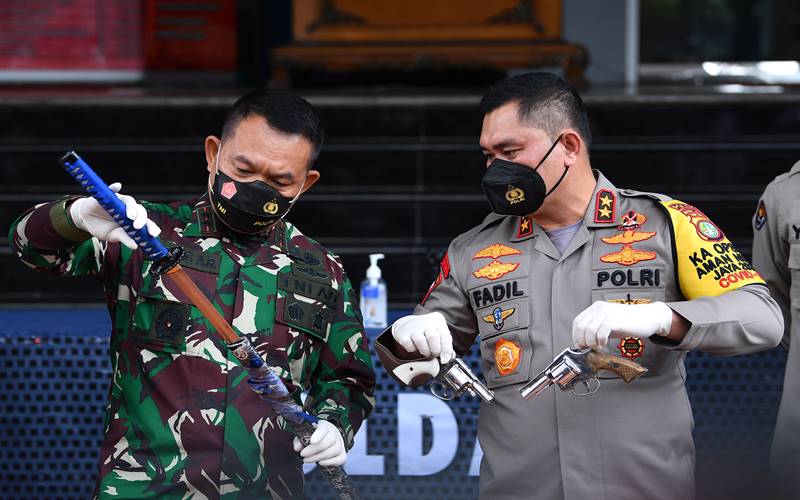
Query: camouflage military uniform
pixel 181 421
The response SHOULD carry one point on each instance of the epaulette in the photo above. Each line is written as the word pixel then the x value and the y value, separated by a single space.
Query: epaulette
pixel 632 193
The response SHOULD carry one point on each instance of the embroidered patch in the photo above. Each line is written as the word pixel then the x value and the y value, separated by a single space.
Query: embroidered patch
pixel 761 215
pixel 444 273
pixel 605 205
pixel 629 300
pixel 270 207
pixel 228 190
pixel 525 226
pixel 706 229
pixel 627 255
pixel 514 195
pixel 506 356
pixel 498 317
pixel 495 269
pixel 631 347
pixel 495 251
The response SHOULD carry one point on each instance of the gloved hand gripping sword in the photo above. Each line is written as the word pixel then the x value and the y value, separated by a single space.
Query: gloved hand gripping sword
pixel 574 365
pixel 263 380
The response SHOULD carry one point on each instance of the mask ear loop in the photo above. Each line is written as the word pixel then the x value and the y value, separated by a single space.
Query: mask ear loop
pixel 566 169
pixel 291 203
pixel 216 168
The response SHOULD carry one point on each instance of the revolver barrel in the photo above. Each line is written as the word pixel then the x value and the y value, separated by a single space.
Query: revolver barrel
pixel 536 386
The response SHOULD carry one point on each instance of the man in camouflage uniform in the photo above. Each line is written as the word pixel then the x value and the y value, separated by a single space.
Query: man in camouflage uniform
pixel 181 421
pixel 776 256
pixel 567 258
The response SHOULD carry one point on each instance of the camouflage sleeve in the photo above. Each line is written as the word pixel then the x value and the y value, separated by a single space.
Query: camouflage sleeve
pixel 46 239
pixel 343 385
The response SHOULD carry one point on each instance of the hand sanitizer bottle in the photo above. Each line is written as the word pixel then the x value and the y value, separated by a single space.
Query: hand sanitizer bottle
pixel 373 295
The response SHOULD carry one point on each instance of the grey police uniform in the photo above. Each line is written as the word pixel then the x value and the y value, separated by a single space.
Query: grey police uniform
pixel 776 256
pixel 506 283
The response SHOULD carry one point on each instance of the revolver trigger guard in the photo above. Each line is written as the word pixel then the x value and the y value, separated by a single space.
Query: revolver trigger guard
pixel 443 393
pixel 591 385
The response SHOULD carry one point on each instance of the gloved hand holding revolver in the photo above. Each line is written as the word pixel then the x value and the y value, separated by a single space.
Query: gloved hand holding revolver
pixel 426 333
pixel 426 337
pixel 593 326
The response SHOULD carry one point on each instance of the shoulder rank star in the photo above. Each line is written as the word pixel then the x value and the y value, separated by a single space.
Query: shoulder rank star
pixel 605 206
pixel 498 317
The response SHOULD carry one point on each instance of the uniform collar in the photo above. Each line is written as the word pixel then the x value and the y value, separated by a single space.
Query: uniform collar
pixel 603 211
pixel 795 168
pixel 204 224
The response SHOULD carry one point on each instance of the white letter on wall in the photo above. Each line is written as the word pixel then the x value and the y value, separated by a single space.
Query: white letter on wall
pixel 412 409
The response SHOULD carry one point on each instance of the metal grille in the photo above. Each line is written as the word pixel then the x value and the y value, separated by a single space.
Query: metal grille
pixel 54 382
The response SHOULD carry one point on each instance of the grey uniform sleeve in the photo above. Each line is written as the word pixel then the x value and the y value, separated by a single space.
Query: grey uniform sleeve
pixel 448 296
pixel 738 322
pixel 771 254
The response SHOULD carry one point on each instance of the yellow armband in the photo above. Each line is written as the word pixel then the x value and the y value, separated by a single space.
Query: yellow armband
pixel 708 265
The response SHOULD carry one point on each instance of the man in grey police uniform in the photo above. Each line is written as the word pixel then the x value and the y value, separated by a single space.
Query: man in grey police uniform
pixel 569 259
pixel 776 256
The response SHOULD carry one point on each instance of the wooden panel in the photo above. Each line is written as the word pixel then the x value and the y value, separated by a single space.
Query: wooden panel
pixel 425 20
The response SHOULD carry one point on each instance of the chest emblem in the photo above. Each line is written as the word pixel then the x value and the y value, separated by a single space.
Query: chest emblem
pixel 514 195
pixel 495 251
pixel 631 347
pixel 506 356
pixel 628 255
pixel 629 301
pixel 495 269
pixel 498 317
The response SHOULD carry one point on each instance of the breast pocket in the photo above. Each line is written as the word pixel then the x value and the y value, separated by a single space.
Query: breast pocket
pixel 506 350
pixel 304 313
pixel 164 320
pixel 637 349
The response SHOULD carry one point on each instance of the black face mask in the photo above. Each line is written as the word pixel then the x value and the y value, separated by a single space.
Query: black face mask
pixel 516 189
pixel 247 207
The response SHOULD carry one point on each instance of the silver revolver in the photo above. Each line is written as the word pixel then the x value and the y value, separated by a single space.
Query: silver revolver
pixel 574 365
pixel 447 380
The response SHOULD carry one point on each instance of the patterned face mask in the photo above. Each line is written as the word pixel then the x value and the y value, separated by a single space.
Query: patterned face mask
pixel 247 207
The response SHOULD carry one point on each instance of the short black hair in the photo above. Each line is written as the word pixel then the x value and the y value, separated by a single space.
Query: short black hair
pixel 283 111
pixel 544 99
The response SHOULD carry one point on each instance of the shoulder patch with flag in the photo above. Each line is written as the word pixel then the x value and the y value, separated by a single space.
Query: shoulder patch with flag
pixel 708 264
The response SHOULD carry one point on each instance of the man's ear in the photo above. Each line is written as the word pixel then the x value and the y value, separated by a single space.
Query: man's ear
pixel 311 179
pixel 573 145
pixel 212 148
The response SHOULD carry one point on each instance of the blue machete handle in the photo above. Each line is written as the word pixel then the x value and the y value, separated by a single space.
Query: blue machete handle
pixel 99 190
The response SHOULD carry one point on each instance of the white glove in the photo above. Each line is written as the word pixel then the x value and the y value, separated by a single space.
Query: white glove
pixel 326 446
pixel 593 326
pixel 88 215
pixel 426 333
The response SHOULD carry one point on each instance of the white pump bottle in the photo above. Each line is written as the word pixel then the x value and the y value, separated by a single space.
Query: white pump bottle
pixel 373 295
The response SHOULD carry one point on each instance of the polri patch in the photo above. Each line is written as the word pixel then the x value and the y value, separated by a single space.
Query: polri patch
pixel 507 354
pixel 631 347
pixel 761 215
